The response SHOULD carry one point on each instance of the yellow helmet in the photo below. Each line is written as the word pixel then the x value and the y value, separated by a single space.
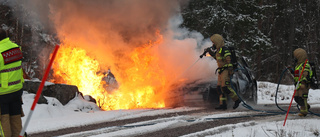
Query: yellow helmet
pixel 217 40
pixel 300 54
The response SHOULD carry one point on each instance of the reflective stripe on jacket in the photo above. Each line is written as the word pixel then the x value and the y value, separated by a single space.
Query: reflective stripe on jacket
pixel 298 70
pixel 223 57
pixel 11 76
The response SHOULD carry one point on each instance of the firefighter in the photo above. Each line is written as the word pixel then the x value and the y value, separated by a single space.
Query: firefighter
pixel 301 96
pixel 11 82
pixel 225 70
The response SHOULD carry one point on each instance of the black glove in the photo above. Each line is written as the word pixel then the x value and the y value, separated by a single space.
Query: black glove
pixel 290 69
pixel 212 53
pixel 204 52
pixel 207 49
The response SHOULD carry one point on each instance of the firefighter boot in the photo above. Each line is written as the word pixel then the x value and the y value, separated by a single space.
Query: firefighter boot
pixel 304 109
pixel 302 115
pixel 5 124
pixel 16 125
pixel 223 106
pixel 236 104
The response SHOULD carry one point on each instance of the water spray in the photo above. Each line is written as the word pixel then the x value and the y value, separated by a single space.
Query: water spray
pixel 183 74
pixel 189 68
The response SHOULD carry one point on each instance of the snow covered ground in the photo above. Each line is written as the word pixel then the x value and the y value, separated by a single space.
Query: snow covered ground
pixel 78 112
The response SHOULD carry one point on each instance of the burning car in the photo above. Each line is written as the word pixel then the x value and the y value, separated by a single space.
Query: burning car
pixel 243 82
pixel 198 92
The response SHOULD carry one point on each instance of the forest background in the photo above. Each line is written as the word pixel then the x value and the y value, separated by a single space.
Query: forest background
pixel 265 32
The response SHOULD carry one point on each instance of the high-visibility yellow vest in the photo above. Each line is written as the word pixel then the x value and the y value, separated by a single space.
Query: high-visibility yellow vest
pixel 11 75
pixel 298 70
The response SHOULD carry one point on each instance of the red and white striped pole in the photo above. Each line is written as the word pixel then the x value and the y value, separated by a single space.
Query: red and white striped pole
pixel 39 91
pixel 297 86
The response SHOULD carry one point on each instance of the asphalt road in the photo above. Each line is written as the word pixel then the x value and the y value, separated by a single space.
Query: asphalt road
pixel 188 125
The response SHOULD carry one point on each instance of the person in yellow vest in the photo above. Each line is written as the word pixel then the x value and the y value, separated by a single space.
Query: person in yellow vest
pixel 11 83
pixel 225 69
pixel 22 115
pixel 301 96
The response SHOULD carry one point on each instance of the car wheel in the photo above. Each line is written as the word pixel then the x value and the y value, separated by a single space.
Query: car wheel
pixel 253 95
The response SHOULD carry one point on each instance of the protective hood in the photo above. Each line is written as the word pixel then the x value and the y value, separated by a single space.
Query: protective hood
pixel 300 54
pixel 217 40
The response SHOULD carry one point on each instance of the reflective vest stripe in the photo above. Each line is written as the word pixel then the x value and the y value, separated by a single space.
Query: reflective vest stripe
pixel 227 54
pixel 298 71
pixel 223 98
pixel 227 65
pixel 13 83
pixel 220 58
pixel 11 69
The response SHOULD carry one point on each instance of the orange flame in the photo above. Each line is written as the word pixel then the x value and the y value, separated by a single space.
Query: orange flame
pixel 142 81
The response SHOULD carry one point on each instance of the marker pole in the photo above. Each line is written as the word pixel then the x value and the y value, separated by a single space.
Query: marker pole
pixel 39 91
pixel 297 86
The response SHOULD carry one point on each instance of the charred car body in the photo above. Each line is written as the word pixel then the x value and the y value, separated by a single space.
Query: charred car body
pixel 199 92
pixel 242 81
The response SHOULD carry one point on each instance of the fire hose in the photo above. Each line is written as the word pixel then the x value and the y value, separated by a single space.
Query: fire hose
pixel 282 74
pixel 297 86
pixel 244 104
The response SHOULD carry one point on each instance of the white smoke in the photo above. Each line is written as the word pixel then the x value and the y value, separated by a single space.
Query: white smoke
pixel 126 23
pixel 182 49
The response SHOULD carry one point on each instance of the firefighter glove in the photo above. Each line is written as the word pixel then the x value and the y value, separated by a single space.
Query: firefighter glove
pixel 206 49
pixel 290 69
pixel 204 52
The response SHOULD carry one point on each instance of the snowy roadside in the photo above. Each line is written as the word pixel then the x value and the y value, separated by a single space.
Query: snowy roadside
pixel 294 127
pixel 78 112
pixel 267 93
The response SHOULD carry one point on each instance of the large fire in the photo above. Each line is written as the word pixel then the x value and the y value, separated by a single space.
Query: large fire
pixel 142 83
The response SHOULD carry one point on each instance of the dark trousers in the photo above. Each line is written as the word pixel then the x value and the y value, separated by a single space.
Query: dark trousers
pixel 11 103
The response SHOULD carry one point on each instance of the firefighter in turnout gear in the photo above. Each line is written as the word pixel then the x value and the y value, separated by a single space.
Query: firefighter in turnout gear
pixel 11 82
pixel 225 69
pixel 301 96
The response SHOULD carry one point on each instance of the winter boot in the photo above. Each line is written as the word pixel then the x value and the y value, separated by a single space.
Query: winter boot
pixel 223 106
pixel 302 115
pixel 16 125
pixel 236 104
pixel 5 124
